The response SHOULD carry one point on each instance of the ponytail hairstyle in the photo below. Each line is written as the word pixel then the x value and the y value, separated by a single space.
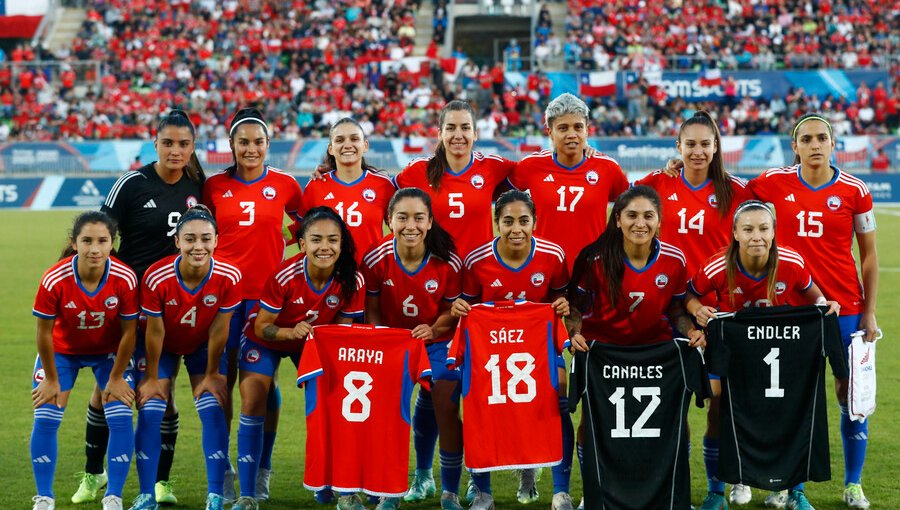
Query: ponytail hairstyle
pixel 179 118
pixel 439 162
pixel 609 249
pixel 733 254
pixel 198 212
pixel 717 174
pixel 438 241
pixel 800 121
pixel 510 196
pixel 87 218
pixel 329 161
pixel 345 266
pixel 244 116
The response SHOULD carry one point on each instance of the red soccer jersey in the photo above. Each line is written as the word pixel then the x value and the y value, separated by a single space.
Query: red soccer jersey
pixel 508 352
pixel 488 278
pixel 575 197
pixel 640 314
pixel 690 216
pixel 462 205
pixel 819 223
pixel 409 299
pixel 290 294
pixel 793 279
pixel 187 314
pixel 250 216
pixel 362 204
pixel 359 380
pixel 87 322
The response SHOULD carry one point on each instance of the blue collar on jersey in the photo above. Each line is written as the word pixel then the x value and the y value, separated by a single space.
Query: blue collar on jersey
pixel 692 188
pixel 359 179
pixel 837 173
pixel 654 255
pixel 464 170
pixel 102 280
pixel 403 268
pixel 202 282
pixel 505 266
pixel 748 275
pixel 309 282
pixel 569 168
pixel 261 177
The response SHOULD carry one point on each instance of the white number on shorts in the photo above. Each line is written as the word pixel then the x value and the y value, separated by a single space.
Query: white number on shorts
pixel 453 199
pixel 174 216
pixel 637 297
pixel 809 225
pixel 358 385
pixel 578 191
pixel 96 320
pixel 517 375
pixel 409 308
pixel 351 216
pixel 248 208
pixel 637 430
pixel 695 223
pixel 190 318
pixel 771 359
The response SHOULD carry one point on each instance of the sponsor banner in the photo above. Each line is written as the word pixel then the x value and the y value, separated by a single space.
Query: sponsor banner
pixel 29 156
pixel 87 193
pixel 18 192
pixel 885 188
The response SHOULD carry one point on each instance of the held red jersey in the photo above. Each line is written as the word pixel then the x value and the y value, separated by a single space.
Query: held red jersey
pixel 793 280
pixel 290 294
pixel 188 314
pixel 410 298
pixel 87 322
pixel 359 380
pixel 690 215
pixel 507 352
pixel 487 278
pixel 819 223
pixel 250 216
pixel 571 202
pixel 639 316
pixel 462 205
pixel 362 204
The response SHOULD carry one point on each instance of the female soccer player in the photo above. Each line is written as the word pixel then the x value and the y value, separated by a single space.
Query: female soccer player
pixel 412 278
pixel 86 308
pixel 820 207
pixel 188 300
pixel 249 200
pixel 146 204
pixel 318 286
pixel 518 265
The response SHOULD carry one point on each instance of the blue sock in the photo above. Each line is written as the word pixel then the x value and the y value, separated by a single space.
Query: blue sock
pixel 215 442
pixel 425 430
pixel 250 444
pixel 855 436
pixel 798 487
pixel 148 443
pixel 711 460
pixel 562 472
pixel 121 446
pixel 47 419
pixel 451 471
pixel 579 452
pixel 482 481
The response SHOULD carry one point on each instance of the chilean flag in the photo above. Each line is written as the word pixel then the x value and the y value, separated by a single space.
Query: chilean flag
pixel 710 78
pixel 19 19
pixel 597 84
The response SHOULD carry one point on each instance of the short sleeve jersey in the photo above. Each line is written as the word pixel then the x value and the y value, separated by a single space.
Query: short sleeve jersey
pixel 462 204
pixel 487 278
pixel 410 298
pixel 639 316
pixel 188 313
pixel 507 352
pixel 291 295
pixel 359 380
pixel 147 210
pixel 576 197
pixel 362 204
pixel 250 216
pixel 86 322
pixel 819 223
pixel 793 280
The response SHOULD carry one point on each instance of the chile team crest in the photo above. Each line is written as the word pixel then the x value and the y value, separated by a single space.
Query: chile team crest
pixel 252 356
pixel 332 301
pixel 192 201
pixel 833 202
pixel 39 375
pixel 537 279
pixel 111 302
pixel 477 181
pixel 661 280
pixel 780 287
pixel 210 299
pixel 431 286
pixel 269 193
pixel 713 201
pixel 592 177
pixel 368 195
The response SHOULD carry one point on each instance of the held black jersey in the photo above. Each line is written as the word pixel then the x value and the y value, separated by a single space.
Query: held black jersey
pixel 774 429
pixel 634 404
pixel 147 210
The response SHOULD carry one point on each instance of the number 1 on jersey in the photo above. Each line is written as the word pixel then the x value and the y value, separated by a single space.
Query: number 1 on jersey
pixel 771 359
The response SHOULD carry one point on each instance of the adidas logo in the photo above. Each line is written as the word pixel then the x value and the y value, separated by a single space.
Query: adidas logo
pixel 71 304
pixel 389 283
pixel 673 196
pixel 246 459
pixel 217 456
pixel 43 459
pixel 738 290
pixel 227 194
pixel 150 204
pixel 790 198
pixel 497 283
pixel 298 301
pixel 121 458
pixel 549 178
pixel 141 456
pixel 172 302
pixel 329 196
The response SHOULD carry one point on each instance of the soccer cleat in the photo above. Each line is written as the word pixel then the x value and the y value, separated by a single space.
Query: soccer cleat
pixel 471 490
pixel 714 501
pixel 112 503
pixel 854 497
pixel 740 494
pixel 482 501
pixel 245 503
pixel 581 505
pixel 450 501
pixel 43 503
pixel 144 502
pixel 215 502
pixel 351 502
pixel 797 501
pixel 165 493
pixel 262 484
pixel 562 501
pixel 527 492
pixel 388 504
pixel 89 487
pixel 777 499
pixel 421 488
pixel 324 496
pixel 228 491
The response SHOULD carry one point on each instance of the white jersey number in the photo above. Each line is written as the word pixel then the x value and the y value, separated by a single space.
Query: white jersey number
pixel 578 191
pixel 358 385
pixel 637 430
pixel 695 223
pixel 190 318
pixel 248 208
pixel 518 375
pixel 771 359
pixel 351 215
pixel 93 321
pixel 409 308
pixel 810 224
pixel 458 208
pixel 174 216
pixel 637 297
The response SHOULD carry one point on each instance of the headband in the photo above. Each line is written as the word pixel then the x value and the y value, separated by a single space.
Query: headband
pixel 812 117
pixel 249 119
pixel 196 213
pixel 752 204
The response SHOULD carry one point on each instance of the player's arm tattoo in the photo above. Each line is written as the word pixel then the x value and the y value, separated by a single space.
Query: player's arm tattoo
pixel 270 332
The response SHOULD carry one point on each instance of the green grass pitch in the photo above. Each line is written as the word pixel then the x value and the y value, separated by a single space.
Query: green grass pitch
pixel 32 242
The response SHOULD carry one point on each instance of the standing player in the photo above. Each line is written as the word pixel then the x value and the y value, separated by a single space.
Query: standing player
pixel 318 286
pixel 249 200
pixel 188 300
pixel 518 266
pixel 146 204
pixel 86 308
pixel 820 207
pixel 412 278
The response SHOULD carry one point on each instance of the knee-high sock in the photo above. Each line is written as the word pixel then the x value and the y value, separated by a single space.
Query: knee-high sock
pixel 451 471
pixel 855 436
pixel 482 481
pixel 168 438
pixel 121 445
pixel 273 401
pixel 96 437
pixel 711 460
pixel 562 472
pixel 44 446
pixel 425 430
pixel 147 443
pixel 250 439
pixel 215 442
